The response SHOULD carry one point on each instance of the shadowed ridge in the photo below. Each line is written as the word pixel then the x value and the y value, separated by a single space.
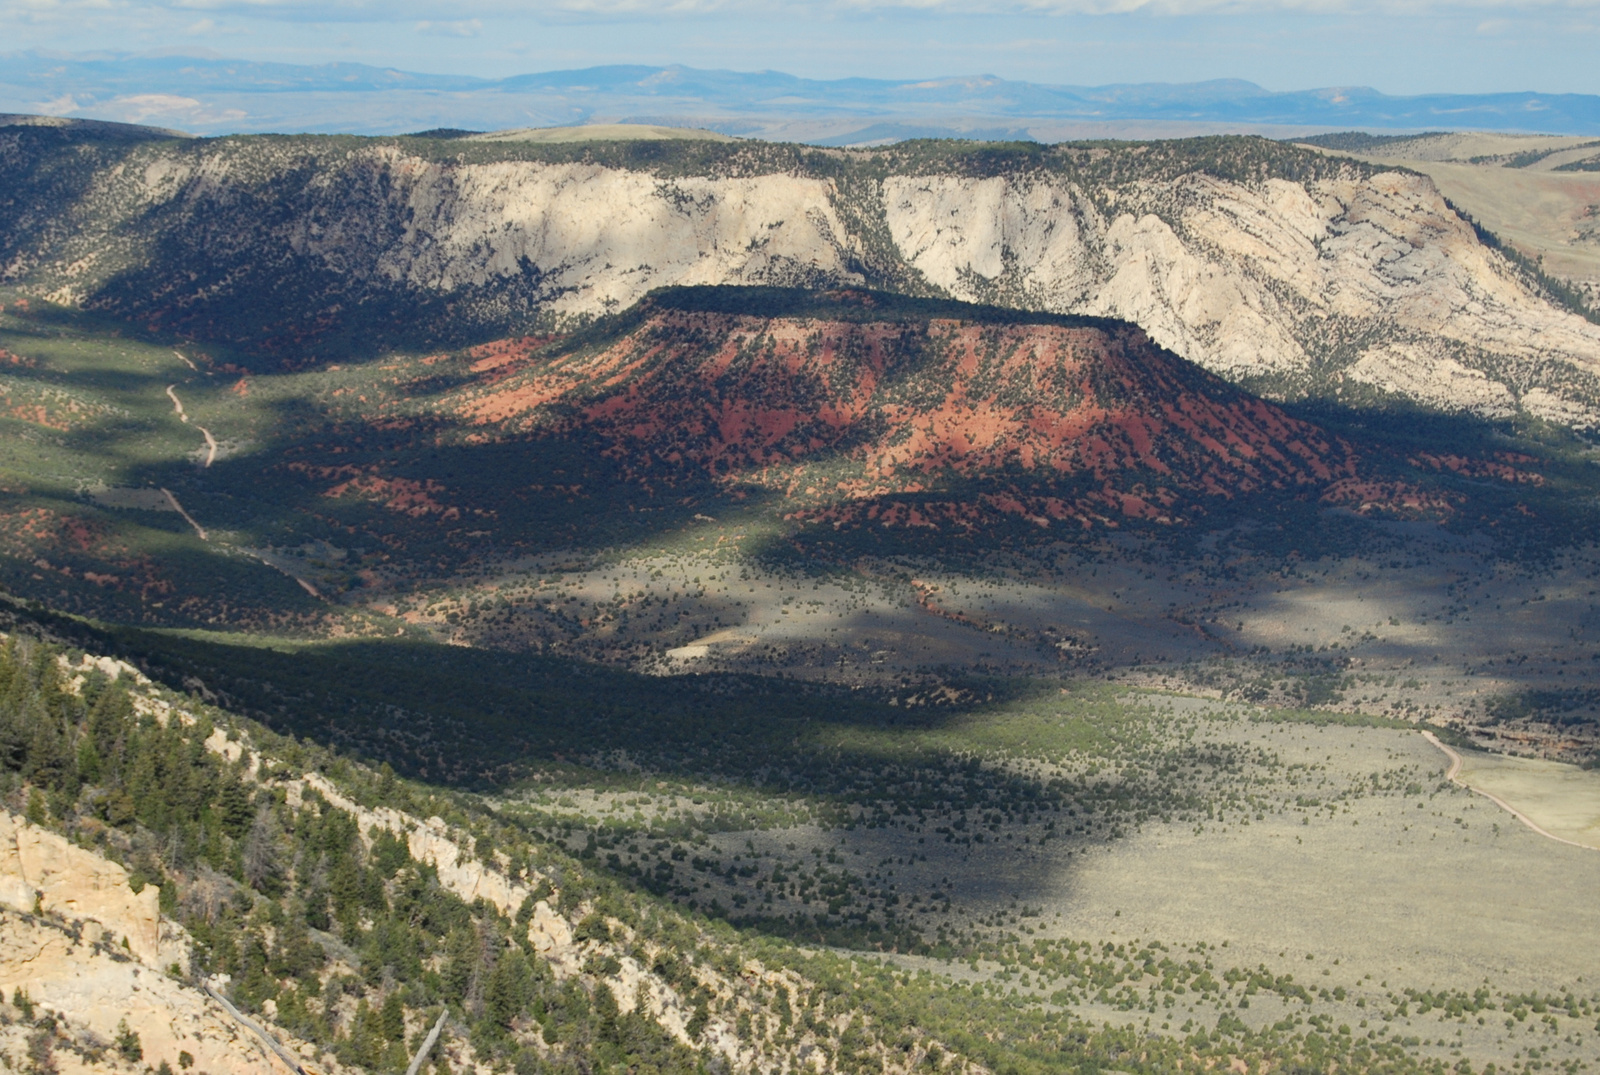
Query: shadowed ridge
pixel 851 304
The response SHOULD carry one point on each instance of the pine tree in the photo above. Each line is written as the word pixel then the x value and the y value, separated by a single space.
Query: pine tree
pixel 510 988
pixel 235 811
pixel 261 870
pixel 109 720
pixel 391 1023
pixel 89 767
pixel 48 762
pixel 461 950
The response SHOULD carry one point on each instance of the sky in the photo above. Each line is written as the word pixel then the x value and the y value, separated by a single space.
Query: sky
pixel 1399 47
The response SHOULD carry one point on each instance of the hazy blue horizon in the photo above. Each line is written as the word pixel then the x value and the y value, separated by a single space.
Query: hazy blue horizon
pixel 210 95
pixel 1412 47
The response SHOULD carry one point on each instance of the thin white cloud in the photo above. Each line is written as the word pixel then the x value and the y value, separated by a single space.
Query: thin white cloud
pixel 659 8
pixel 64 105
pixel 1207 7
pixel 45 10
pixel 456 28
pixel 166 108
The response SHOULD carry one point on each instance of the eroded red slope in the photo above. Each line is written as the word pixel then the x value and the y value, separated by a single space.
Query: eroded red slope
pixel 914 422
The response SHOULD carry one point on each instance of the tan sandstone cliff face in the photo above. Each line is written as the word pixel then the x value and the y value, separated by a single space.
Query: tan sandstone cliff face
pixel 91 991
pixel 44 871
pixel 601 237
pixel 95 959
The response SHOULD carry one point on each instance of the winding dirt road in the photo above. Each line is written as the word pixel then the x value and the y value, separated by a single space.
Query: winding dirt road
pixel 1452 774
pixel 211 442
pixel 211 456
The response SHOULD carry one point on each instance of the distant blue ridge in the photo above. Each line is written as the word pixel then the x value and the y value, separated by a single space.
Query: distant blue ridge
pixel 216 96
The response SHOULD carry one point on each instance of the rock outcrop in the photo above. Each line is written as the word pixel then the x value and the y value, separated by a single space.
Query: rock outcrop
pixel 598 238
pixel 1278 282
pixel 42 871
pixel 429 841
pixel 97 960
pixel 93 993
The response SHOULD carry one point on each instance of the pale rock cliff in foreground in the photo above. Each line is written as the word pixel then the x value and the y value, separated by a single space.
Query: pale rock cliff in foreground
pixel 94 955
pixel 41 870
pixel 93 992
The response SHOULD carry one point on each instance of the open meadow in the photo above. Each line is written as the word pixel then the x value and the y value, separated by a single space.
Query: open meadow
pixel 1306 870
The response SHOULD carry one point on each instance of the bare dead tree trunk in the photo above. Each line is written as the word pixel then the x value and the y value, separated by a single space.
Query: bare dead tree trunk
pixel 427 1044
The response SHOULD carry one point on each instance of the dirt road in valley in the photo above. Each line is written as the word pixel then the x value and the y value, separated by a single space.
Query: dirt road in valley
pixel 1452 774
pixel 211 442
pixel 177 507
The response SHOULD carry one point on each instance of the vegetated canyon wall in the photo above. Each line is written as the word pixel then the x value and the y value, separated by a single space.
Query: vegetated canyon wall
pixel 1293 276
pixel 85 960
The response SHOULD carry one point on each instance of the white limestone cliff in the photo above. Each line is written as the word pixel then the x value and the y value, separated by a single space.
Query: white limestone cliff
pixel 1242 280
pixel 600 238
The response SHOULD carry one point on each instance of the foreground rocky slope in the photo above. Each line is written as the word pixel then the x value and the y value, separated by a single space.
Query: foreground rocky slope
pixel 345 927
pixel 1271 265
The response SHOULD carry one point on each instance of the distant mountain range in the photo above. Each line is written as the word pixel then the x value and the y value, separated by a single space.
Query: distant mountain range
pixel 215 96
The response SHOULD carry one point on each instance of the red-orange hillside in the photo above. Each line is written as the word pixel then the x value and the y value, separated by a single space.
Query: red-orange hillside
pixel 910 420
